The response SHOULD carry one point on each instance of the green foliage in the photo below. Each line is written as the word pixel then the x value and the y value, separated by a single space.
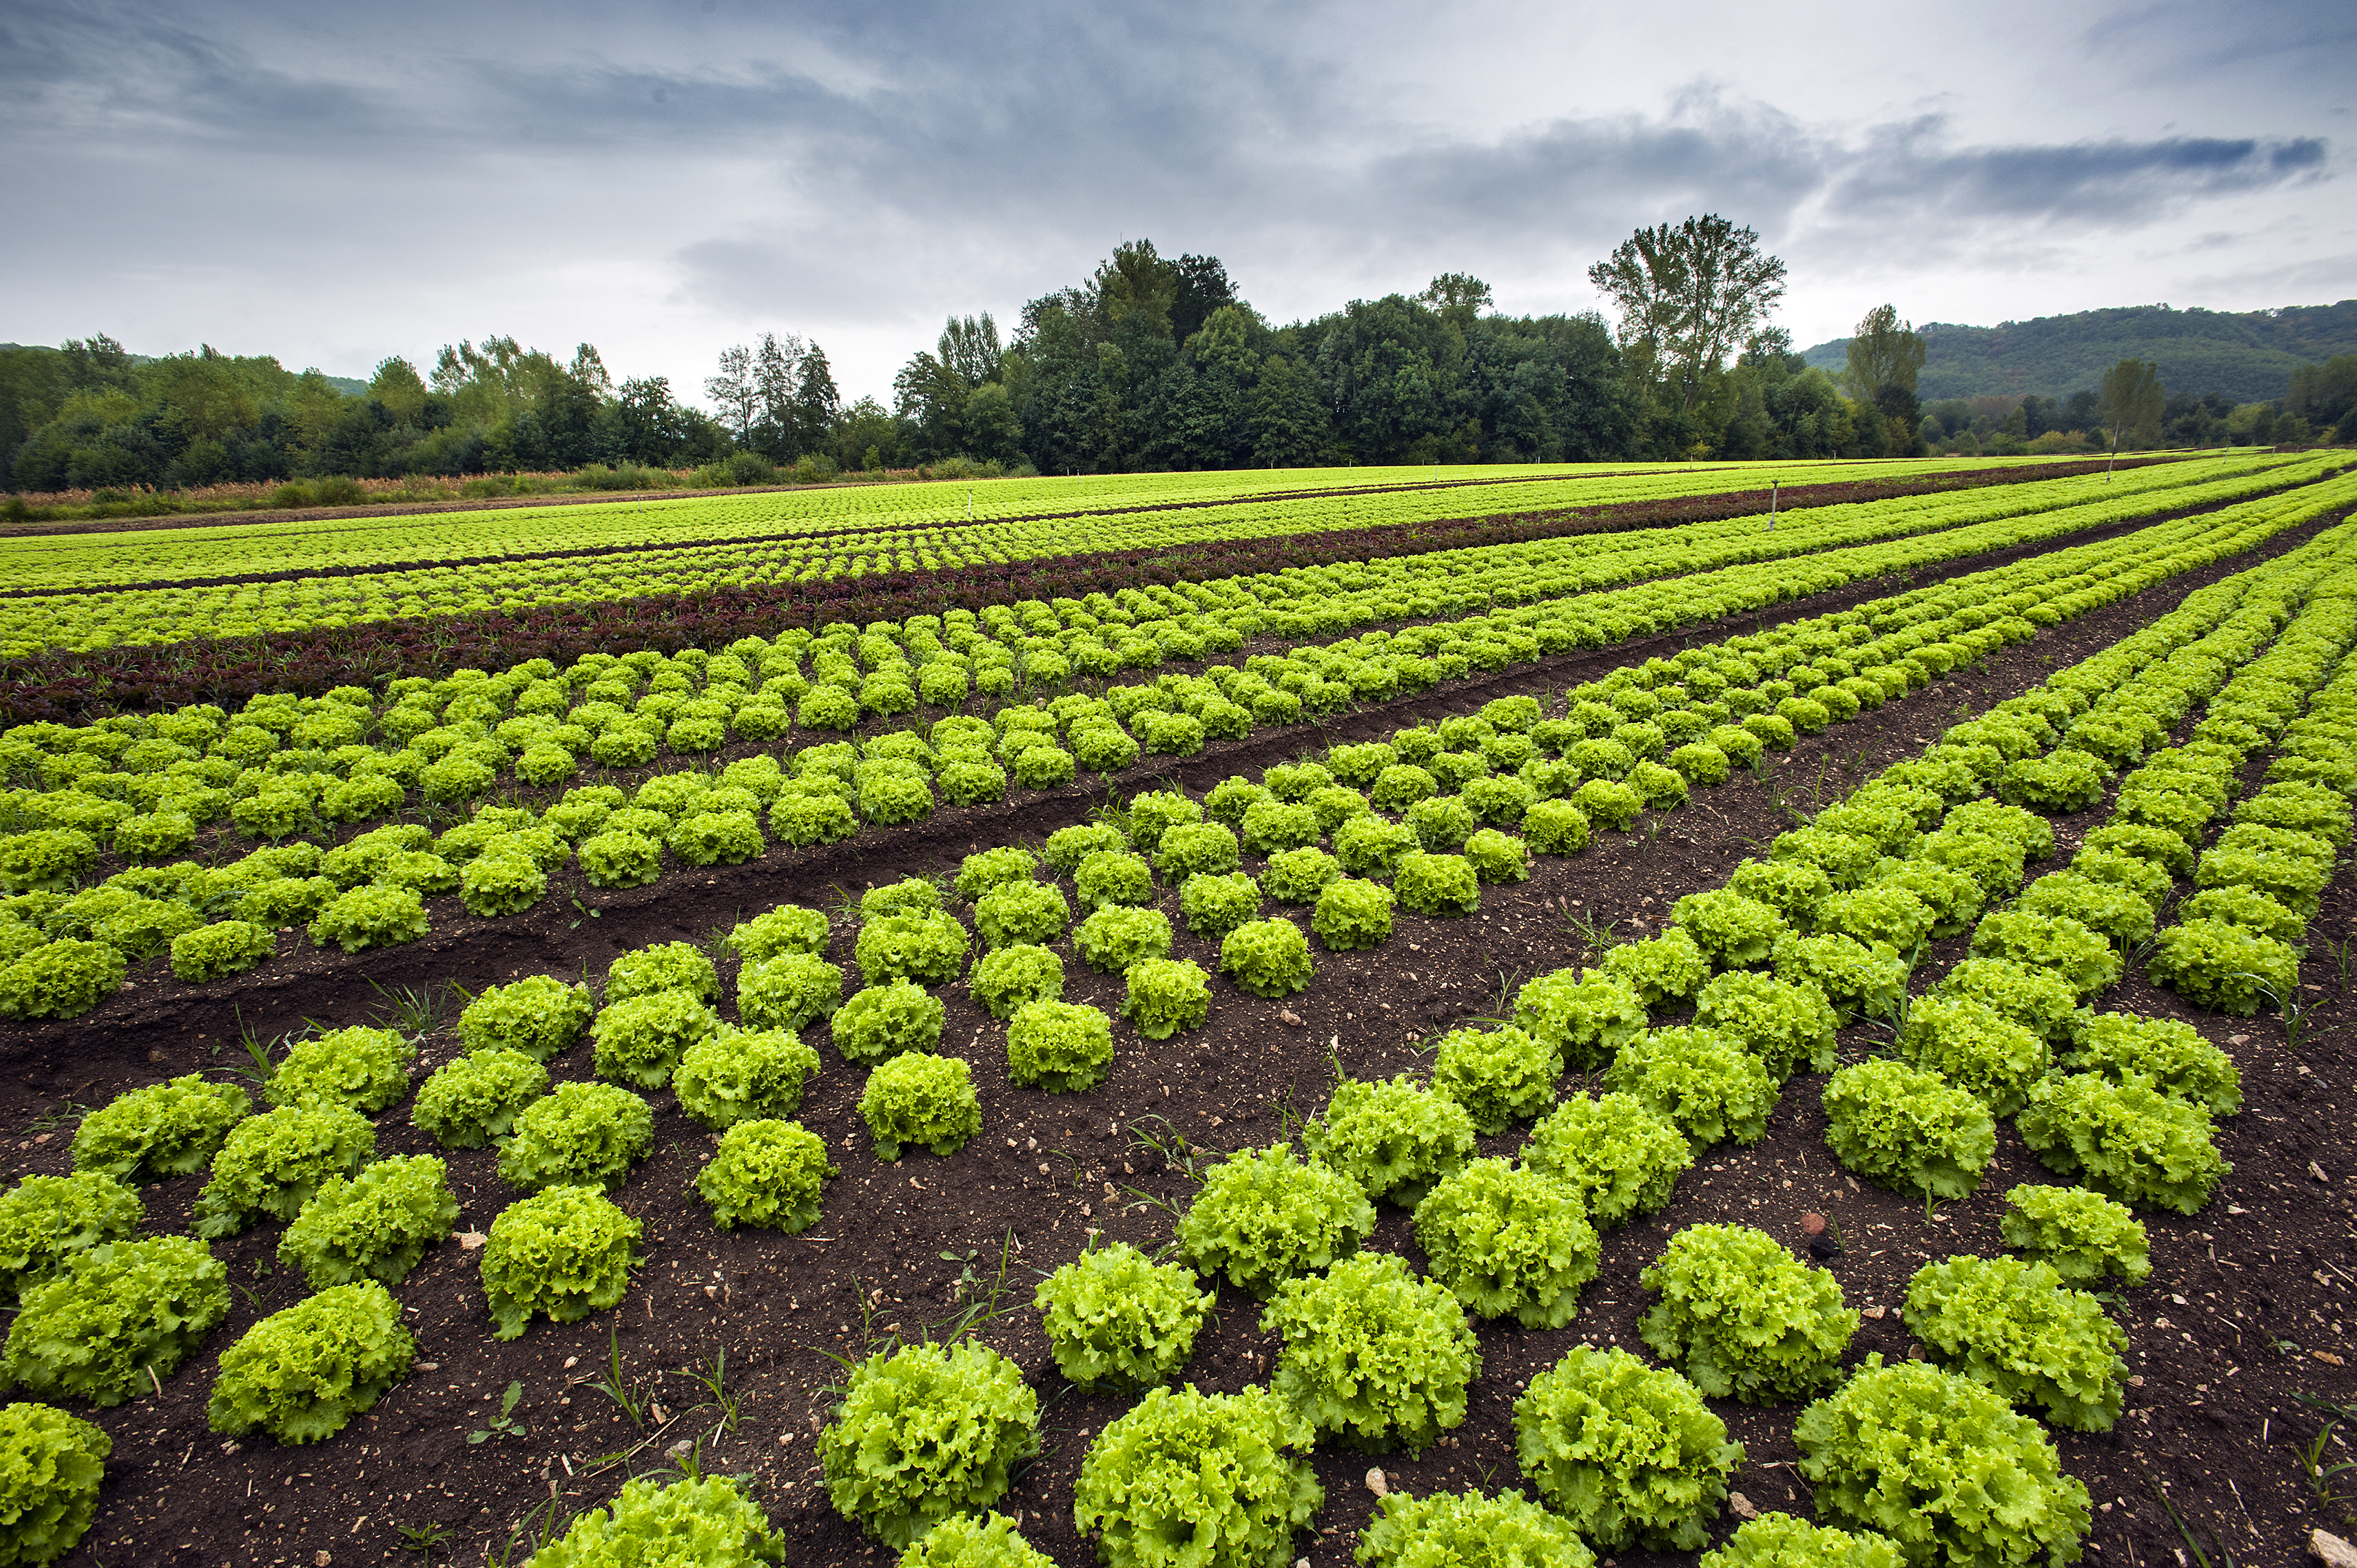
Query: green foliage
pixel 2116 914
pixel 2246 907
pixel 1165 996
pixel 1907 1130
pixel 164 1130
pixel 2044 1003
pixel 739 1075
pixel 2171 1054
pixel 986 869
pixel 119 1310
pixel 1372 846
pixel 499 883
pixel 1498 1075
pixel 1393 1138
pixel 1372 1353
pixel 1623 1158
pixel 1941 1466
pixel 46 1221
pixel 50 1467
pixel 969 1541
pixel 1586 1016
pixel 1214 905
pixel 1779 1541
pixel 52 858
pixel 1506 1239
pixel 373 917
pixel 2126 1140
pixel 1267 958
pixel 640 1041
pixel 1856 978
pixel 469 1102
pixel 1060 1047
pixel 1273 825
pixel 582 1134
pixel 1007 978
pixel 1788 1024
pixel 1119 1323
pixel 564 1252
pixel 1112 876
pixel 924 1433
pixel 1974 1047
pixel 1741 1316
pixel 1626 1453
pixel 375 1225
pixel 1068 847
pixel 223 948
pixel 1497 857
pixel 918 1098
pixel 539 1016
pixel 766 1173
pixel 2229 967
pixel 1021 912
pixel 302 1374
pixel 1117 935
pixel 1793 888
pixel 1603 801
pixel 2056 943
pixel 1438 885
pixel 665 967
pixel 1353 914
pixel 2011 1326
pixel 1663 971
pixel 271 1165
pixel 2081 1235
pixel 705 1520
pixel 1550 827
pixel 883 1021
pixel 1188 1478
pixel 792 991
pixel 59 980
pixel 1702 1083
pixel 1732 930
pixel 1154 812
pixel 927 949
pixel 1194 849
pixel 1507 1530
pixel 1299 875
pixel 366 1069
pixel 1263 1215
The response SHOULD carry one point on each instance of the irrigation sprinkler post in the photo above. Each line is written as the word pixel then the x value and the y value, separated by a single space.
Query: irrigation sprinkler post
pixel 1773 486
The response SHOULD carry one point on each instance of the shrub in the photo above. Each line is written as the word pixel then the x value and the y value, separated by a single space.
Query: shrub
pixel 1021 912
pixel 925 1433
pixel 980 873
pixel 2225 967
pixel 766 1173
pixel 1067 847
pixel 564 1252
pixel 1008 978
pixel 1167 995
pixel 1663 970
pixel 121 1311
pixel 1907 1130
pixel 1734 931
pixel 224 948
pixel 370 917
pixel 2056 943
pixel 59 980
pixel 302 1374
pixel 739 1075
pixel 50 1468
pixel 375 1225
pixel 2173 1055
pixel 1739 1316
pixel 2012 1326
pixel 1438 885
pixel 1974 1047
pixel 2125 1140
pixel 884 1021
pixel 47 1221
pixel 1214 905
pixel 1117 1321
pixel 538 1015
pixel 790 992
pixel 1788 1024
pixel 640 1041
pixel 1228 1471
pixel 167 1129
pixel 1267 958
pixel 473 1100
pixel 271 1165
pixel 1372 1353
pixel 1112 876
pixel 1624 1451
pixel 2081 1235
pixel 918 1098
pixel 1623 1158
pixel 1509 1240
pixel 1497 1075
pixel 929 950
pixel 667 966
pixel 1060 1047
pixel 1395 1139
pixel 366 1069
pixel 1706 1087
pixel 1587 1014
pixel 1263 1217
pixel 1116 937
pixel 580 1134
pixel 1885 1452
pixel 706 1520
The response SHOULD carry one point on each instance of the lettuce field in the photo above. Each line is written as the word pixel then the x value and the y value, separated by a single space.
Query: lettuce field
pixel 1663 1014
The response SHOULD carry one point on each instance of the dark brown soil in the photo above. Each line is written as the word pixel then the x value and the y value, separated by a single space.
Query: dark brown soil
pixel 2267 1266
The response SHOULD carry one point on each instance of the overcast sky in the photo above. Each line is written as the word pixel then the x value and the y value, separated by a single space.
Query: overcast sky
pixel 333 183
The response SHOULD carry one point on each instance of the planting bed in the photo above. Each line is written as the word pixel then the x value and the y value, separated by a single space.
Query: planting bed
pixel 2244 1312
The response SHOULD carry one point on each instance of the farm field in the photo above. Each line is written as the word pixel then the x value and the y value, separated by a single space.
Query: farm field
pixel 1877 980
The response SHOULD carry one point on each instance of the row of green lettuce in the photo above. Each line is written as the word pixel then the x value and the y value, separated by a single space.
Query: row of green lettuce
pixel 133 616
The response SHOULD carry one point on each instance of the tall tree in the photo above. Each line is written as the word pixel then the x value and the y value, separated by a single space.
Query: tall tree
pixel 816 401
pixel 733 391
pixel 1138 283
pixel 1689 294
pixel 1884 352
pixel 1204 290
pixel 2132 401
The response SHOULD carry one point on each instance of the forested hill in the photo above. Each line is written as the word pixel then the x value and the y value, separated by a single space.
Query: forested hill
pixel 2246 357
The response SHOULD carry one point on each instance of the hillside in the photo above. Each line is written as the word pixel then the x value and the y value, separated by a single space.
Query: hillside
pixel 2246 356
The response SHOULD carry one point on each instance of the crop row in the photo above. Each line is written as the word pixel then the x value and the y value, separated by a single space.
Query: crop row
pixel 779 575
